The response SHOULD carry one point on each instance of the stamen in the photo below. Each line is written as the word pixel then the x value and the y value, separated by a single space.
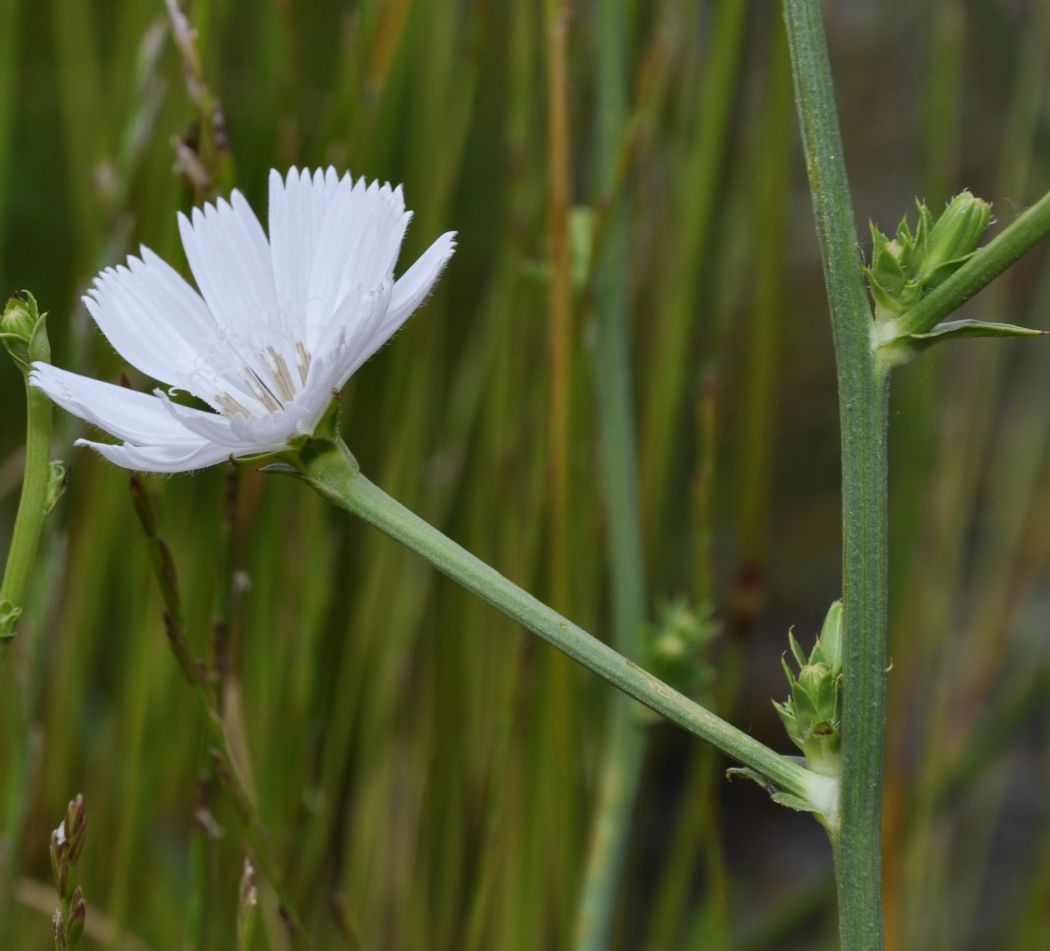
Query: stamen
pixel 230 406
pixel 281 375
pixel 261 391
pixel 304 360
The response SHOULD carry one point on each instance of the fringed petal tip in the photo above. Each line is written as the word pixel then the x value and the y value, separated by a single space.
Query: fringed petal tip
pixel 418 281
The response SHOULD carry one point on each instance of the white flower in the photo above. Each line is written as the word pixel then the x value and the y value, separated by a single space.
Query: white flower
pixel 277 329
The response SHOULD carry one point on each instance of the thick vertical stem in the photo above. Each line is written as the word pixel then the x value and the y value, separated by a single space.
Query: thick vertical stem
pixel 858 853
pixel 863 415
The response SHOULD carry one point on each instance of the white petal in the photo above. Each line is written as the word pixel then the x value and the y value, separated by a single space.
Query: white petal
pixel 175 300
pixel 161 325
pixel 347 338
pixel 160 458
pixel 298 204
pixel 357 248
pixel 149 315
pixel 417 282
pixel 247 435
pixel 230 260
pixel 123 413
pixel 269 433
pixel 207 426
pixel 408 293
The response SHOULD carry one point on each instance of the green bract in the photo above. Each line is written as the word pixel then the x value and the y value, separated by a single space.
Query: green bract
pixel 813 710
pixel 903 269
pixel 906 268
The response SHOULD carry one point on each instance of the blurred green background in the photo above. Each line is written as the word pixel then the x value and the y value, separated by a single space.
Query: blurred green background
pixel 426 770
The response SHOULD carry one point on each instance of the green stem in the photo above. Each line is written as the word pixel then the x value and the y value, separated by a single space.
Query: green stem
pixel 624 753
pixel 31 505
pixel 329 467
pixel 863 417
pixel 987 264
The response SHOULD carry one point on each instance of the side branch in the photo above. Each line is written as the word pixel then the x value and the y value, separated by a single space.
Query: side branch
pixel 329 467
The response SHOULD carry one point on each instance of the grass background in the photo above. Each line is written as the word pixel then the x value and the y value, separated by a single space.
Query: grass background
pixel 427 771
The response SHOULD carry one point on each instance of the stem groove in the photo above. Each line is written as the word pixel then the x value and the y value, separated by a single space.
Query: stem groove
pixel 863 419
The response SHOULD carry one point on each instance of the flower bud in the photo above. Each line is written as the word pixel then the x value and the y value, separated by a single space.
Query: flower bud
pixel 9 615
pixel 57 482
pixel 954 238
pixel 905 268
pixel 57 851
pixel 20 315
pixel 675 644
pixel 812 679
pixel 62 882
pixel 888 261
pixel 75 919
pixel 22 330
pixel 812 711
pixel 76 827
pixel 58 931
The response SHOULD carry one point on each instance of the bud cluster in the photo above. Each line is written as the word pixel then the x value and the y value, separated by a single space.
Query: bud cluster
pixel 813 710
pixel 908 266
pixel 67 842
pixel 675 645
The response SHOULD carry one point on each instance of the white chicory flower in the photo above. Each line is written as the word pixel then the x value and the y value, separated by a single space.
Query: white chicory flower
pixel 277 329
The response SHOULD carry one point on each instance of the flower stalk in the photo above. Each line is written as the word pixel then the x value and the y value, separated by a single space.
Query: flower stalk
pixel 327 465
pixel 24 332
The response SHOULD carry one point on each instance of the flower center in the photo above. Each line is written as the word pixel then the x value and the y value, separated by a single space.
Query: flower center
pixel 271 378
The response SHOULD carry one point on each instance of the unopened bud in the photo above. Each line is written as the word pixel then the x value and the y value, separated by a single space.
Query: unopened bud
pixel 58 930
pixel 954 237
pixel 812 711
pixel 675 645
pixel 20 315
pixel 905 268
pixel 57 481
pixel 57 852
pixel 812 676
pixel 22 330
pixel 76 919
pixel 62 882
pixel 76 827
pixel 9 615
